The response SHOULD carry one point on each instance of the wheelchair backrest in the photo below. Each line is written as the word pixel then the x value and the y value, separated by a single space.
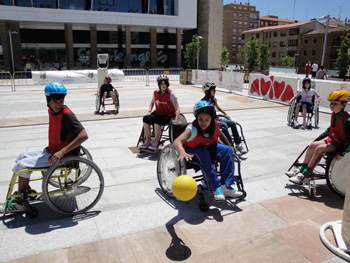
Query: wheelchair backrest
pixel 175 129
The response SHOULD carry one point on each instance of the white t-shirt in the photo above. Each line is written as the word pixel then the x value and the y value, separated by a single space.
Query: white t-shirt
pixel 314 67
pixel 306 96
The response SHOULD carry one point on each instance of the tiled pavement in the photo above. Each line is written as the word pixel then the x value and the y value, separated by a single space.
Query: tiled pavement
pixel 134 222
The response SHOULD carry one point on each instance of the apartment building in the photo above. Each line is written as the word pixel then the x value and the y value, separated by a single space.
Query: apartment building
pixel 237 19
pixel 135 33
pixel 284 40
pixel 272 20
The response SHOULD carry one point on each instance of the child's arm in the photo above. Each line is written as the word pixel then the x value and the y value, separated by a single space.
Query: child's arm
pixel 179 147
pixel 151 105
pixel 223 138
pixel 218 107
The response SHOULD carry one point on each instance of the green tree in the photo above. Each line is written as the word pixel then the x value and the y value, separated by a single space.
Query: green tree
pixel 252 53
pixel 264 57
pixel 287 61
pixel 192 49
pixel 343 59
pixel 242 56
pixel 224 57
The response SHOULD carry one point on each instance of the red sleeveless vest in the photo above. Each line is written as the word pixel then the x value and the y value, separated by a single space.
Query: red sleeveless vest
pixel 337 135
pixel 55 125
pixel 203 142
pixel 163 104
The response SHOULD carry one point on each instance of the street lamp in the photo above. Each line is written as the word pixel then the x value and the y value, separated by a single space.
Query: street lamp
pixel 199 38
pixel 13 63
pixel 325 37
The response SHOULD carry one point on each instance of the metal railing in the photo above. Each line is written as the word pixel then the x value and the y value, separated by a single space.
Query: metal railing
pixel 173 74
pixel 21 78
pixel 137 75
pixel 6 80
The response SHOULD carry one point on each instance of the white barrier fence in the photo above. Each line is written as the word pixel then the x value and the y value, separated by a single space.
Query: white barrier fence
pixel 284 88
pixel 222 79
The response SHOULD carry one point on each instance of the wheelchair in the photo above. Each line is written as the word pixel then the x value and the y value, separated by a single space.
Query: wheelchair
pixel 163 137
pixel 240 131
pixel 312 114
pixel 330 169
pixel 71 186
pixel 108 101
pixel 168 168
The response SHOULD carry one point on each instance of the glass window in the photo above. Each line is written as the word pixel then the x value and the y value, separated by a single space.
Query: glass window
pixel 42 36
pixel 166 58
pixel 73 4
pixel 45 3
pixel 306 41
pixel 140 38
pixel 43 58
pixel 6 2
pixel 26 3
pixel 140 58
pixel 82 57
pixel 166 39
pixel 116 56
pixel 282 44
pixel 315 40
pixel 81 36
pixel 305 53
pixel 283 33
pixel 273 54
pixel 314 52
pixel 275 34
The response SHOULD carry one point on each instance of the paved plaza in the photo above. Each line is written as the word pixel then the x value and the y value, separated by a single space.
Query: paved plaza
pixel 134 221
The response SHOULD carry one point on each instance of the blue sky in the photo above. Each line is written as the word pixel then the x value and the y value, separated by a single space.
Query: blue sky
pixel 304 9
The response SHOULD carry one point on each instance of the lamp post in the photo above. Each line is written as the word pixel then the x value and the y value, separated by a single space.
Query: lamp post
pixel 199 38
pixel 325 38
pixel 12 61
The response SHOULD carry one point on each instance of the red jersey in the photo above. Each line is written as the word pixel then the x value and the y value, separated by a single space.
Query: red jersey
pixel 56 143
pixel 203 142
pixel 307 68
pixel 337 136
pixel 163 104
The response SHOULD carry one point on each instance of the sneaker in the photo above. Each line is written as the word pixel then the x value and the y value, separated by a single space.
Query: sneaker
pixel 295 123
pixel 299 179
pixel 304 125
pixel 229 191
pixel 154 145
pixel 240 148
pixel 293 172
pixel 146 144
pixel 13 206
pixel 219 194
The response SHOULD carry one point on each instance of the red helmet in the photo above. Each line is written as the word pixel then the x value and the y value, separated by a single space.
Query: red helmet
pixel 108 79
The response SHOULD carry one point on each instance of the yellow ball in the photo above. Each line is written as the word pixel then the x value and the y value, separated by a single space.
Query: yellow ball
pixel 184 187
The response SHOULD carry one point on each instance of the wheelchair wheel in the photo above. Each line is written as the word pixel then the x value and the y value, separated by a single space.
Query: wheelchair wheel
pixel 291 112
pixel 168 168
pixel 117 106
pixel 72 195
pixel 98 104
pixel 84 153
pixel 175 129
pixel 336 176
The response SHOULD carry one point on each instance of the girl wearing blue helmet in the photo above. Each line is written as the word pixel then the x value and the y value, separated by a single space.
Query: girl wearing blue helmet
pixel 200 141
pixel 66 134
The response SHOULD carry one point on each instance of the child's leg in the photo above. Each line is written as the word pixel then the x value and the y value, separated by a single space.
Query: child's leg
pixel 206 164
pixel 320 149
pixel 304 112
pixel 157 129
pixel 224 154
pixel 111 94
pixel 104 98
pixel 297 109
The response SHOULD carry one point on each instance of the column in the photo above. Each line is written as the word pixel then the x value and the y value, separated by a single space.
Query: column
pixel 178 47
pixel 4 36
pixel 93 46
pixel 68 31
pixel 153 48
pixel 128 46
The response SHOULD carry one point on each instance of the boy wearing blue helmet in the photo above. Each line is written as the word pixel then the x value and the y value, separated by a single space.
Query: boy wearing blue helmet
pixel 66 134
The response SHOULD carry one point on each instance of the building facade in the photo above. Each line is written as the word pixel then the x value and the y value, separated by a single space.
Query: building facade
pixel 237 19
pixel 70 33
pixel 284 40
pixel 272 20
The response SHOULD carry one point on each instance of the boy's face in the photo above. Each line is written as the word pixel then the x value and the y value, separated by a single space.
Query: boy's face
pixel 336 106
pixel 56 104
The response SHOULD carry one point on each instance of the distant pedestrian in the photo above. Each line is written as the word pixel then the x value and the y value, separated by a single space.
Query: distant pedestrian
pixel 321 73
pixel 307 69
pixel 314 68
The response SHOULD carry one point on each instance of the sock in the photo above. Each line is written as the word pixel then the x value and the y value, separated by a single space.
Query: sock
pixel 306 170
pixel 302 167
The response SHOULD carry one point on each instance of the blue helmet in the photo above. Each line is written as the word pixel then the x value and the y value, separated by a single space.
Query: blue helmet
pixel 55 89
pixel 203 105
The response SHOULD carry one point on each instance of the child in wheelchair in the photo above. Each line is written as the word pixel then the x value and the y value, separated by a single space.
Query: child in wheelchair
pixel 200 140
pixel 338 134
pixel 224 124
pixel 305 103
pixel 167 107
pixel 106 91
pixel 66 134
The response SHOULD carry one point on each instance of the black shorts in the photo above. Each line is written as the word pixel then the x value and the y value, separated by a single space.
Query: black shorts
pixel 153 119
